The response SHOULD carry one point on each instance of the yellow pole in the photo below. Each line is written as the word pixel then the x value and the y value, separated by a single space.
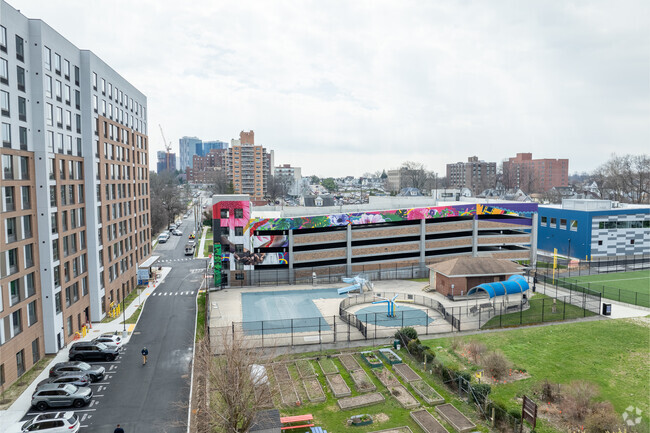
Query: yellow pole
pixel 554 263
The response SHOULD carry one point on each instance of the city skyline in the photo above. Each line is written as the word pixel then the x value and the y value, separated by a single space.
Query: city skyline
pixel 348 89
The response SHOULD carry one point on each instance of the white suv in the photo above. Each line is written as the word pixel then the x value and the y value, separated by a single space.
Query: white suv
pixel 55 422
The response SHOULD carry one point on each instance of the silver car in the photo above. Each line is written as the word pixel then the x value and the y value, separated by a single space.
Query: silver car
pixel 60 395
pixel 57 422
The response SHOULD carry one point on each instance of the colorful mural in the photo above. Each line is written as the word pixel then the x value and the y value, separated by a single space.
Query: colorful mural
pixel 216 262
pixel 375 217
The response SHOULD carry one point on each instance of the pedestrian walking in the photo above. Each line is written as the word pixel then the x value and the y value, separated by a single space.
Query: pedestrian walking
pixel 118 429
pixel 145 352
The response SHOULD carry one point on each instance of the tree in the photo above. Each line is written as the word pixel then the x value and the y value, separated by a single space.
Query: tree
pixel 315 180
pixel 625 178
pixel 166 199
pixel 218 182
pixel 330 184
pixel 415 175
pixel 237 387
pixel 276 187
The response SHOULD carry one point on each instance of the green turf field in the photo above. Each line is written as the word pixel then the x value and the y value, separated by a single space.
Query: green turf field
pixel 638 281
pixel 630 287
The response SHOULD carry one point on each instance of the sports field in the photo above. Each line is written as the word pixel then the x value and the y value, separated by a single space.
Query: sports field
pixel 630 287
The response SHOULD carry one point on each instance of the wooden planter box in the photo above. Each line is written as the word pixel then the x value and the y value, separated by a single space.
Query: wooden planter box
pixel 428 394
pixel 371 359
pixel 356 420
pixel 390 356
pixel 328 366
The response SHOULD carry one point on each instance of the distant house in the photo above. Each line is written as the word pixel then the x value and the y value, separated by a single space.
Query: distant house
pixel 319 200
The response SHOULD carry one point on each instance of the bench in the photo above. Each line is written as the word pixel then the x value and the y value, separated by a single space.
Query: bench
pixel 297 418
pixel 296 426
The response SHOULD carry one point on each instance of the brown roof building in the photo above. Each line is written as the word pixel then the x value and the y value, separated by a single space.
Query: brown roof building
pixel 456 276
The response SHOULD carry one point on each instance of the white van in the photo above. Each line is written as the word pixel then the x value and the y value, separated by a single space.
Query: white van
pixel 163 238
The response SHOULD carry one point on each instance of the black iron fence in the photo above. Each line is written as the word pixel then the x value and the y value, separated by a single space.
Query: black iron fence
pixel 597 265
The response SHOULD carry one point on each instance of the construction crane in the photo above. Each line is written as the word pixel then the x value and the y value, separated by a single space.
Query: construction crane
pixel 168 148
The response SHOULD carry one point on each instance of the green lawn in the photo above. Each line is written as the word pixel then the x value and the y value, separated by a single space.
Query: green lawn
pixel 200 316
pixel 630 287
pixel 614 354
pixel 541 310
pixel 207 247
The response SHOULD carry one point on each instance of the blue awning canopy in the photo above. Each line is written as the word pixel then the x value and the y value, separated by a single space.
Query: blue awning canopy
pixel 514 284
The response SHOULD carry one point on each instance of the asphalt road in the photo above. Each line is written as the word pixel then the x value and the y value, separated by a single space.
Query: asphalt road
pixel 154 397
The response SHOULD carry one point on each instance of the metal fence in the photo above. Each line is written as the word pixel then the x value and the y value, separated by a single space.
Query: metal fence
pixel 597 265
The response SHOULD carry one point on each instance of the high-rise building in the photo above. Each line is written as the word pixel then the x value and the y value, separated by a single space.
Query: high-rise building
pixel 248 166
pixel 535 175
pixel 205 168
pixel 474 174
pixel 188 147
pixel 74 221
pixel 166 162
pixel 291 176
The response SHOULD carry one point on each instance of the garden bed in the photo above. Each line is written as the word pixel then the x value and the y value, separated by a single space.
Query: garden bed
pixel 349 362
pixel 281 372
pixel 406 373
pixel 328 366
pixel 405 398
pixel 349 403
pixel 314 390
pixel 361 420
pixel 362 381
pixel 390 356
pixel 455 418
pixel 305 368
pixel 338 385
pixel 386 377
pixel 371 359
pixel 288 393
pixel 428 394
pixel 427 422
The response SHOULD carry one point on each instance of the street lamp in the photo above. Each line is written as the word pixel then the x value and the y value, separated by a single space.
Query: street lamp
pixel 123 311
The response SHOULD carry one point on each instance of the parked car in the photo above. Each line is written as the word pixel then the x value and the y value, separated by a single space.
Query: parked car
pixel 95 372
pixel 55 422
pixel 109 339
pixel 172 227
pixel 61 394
pixel 76 378
pixel 164 237
pixel 177 233
pixel 109 343
pixel 92 351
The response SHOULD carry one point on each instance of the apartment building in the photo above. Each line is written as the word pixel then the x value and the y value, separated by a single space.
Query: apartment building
pixel 474 174
pixel 75 195
pixel 204 167
pixel 535 175
pixel 248 166
pixel 166 162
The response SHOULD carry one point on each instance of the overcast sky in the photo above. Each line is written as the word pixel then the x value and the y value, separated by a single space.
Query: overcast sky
pixel 349 87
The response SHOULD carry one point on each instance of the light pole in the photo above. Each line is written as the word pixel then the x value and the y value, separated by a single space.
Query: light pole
pixel 123 311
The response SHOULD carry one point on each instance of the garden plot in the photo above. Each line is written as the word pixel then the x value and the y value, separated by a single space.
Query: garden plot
pixel 406 372
pixel 314 390
pixel 427 422
pixel 349 362
pixel 338 385
pixel 362 381
pixel 328 366
pixel 349 403
pixel 428 394
pixel 281 373
pixel 288 393
pixel 305 369
pixel 404 397
pixel 455 418
pixel 386 377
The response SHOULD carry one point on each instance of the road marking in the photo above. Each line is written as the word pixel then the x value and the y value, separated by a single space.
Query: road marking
pixel 83 418
pixel 98 395
pixel 131 328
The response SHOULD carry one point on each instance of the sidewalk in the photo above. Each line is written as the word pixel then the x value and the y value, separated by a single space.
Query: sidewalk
pixel 17 410
pixel 201 246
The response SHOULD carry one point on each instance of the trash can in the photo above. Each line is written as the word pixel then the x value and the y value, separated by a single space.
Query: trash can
pixel 607 309
pixel 396 343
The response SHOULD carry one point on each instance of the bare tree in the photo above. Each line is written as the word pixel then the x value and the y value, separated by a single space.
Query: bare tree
pixel 277 187
pixel 218 182
pixel 166 199
pixel 415 175
pixel 625 178
pixel 236 387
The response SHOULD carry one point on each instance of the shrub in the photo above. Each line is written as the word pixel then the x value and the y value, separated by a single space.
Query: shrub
pixel 407 331
pixel 549 392
pixel 602 418
pixel 465 375
pixel 428 356
pixel 481 391
pixel 455 343
pixel 495 365
pixel 475 349
pixel 577 399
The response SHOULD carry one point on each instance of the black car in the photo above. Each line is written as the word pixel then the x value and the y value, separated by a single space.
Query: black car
pixel 92 351
pixel 95 373
pixel 76 378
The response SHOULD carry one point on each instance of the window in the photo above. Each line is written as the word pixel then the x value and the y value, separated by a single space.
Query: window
pixel 22 138
pixel 20 48
pixel 36 355
pixel 224 213
pixel 239 248
pixel 55 250
pixel 69 321
pixel 27 226
pixel 49 118
pixel 57 302
pixel 4 103
pixel 553 223
pixel 12 259
pixel 544 221
pixel 17 322
pixel 9 199
pixel 26 200
pixel 10 228
pixel 3 47
pixel 631 241
pixel 67 94
pixel 57 63
pixel 6 135
pixel 600 242
pixel 7 167
pixel 239 231
pixel 47 58
pixel 76 77
pixel 66 69
pixel 563 223
pixel 20 359
pixel 29 256
pixel 31 313
pixel 22 109
pixel 4 71
pixel 29 283
pixel 53 197
pixel 103 87
pixel 574 226
pixel 239 213
pixel 14 292
pixel 20 78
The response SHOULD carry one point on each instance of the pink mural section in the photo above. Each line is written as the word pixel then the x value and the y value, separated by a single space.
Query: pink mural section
pixel 239 213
